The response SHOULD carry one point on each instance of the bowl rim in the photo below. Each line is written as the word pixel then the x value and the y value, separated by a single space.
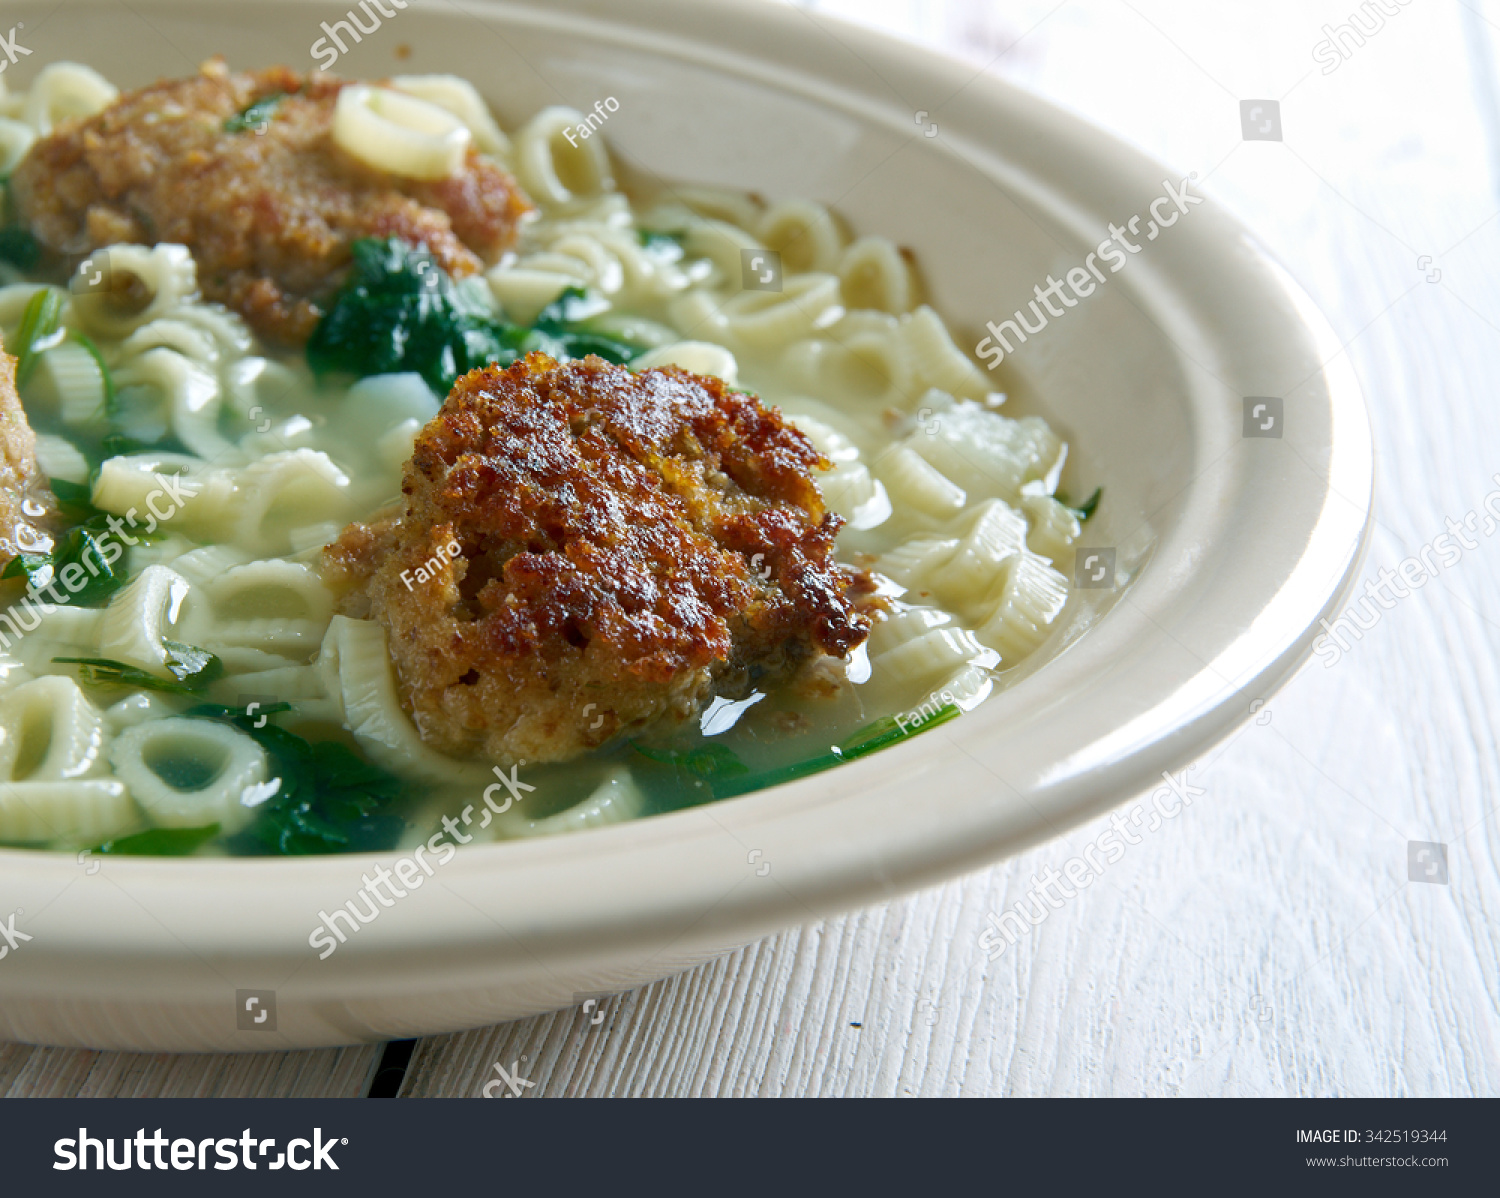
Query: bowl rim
pixel 680 882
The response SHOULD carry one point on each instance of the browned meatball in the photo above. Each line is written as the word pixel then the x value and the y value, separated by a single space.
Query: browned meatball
pixel 25 502
pixel 268 215
pixel 585 551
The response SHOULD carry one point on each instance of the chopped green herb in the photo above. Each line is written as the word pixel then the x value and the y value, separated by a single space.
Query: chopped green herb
pixel 40 321
pixel 116 444
pixel 191 668
pixel 87 343
pixel 330 799
pixel 775 777
pixel 564 322
pixel 661 240
pixel 89 548
pixel 256 116
pixel 1088 507
pixel 19 247
pixel 710 762
pixel 92 544
pixel 887 730
pixel 160 842
pixel 74 500
pixel 569 309
pixel 581 345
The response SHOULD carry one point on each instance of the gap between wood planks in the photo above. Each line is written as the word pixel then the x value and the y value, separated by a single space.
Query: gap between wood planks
pixel 394 1062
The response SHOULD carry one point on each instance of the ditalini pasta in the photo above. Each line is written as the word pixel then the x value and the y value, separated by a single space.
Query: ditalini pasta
pixel 392 130
pixel 558 171
pixel 190 773
pixel 460 98
pixel 874 276
pixel 62 90
pixel 805 234
pixel 180 672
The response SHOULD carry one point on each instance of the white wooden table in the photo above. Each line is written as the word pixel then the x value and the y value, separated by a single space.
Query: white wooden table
pixel 1269 940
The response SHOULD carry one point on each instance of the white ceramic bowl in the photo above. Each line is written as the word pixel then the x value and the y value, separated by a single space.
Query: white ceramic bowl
pixel 1238 546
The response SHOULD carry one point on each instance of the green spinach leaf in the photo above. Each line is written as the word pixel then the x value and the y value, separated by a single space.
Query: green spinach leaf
pixel 90 544
pixel 87 546
pixel 872 738
pixel 711 762
pixel 564 322
pixel 19 247
pixel 399 311
pixel 329 799
pixel 160 842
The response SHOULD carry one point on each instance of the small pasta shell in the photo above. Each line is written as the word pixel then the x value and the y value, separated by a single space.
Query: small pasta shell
pixel 64 90
pixel 916 485
pixel 59 458
pixel 935 653
pixel 132 627
pixel 396 132
pixel 806 235
pixel 994 534
pixel 76 813
pixel 911 563
pixel 373 712
pixel 523 291
pixel 874 275
pixel 1053 527
pixel 15 140
pixel 186 773
pixel 613 801
pixel 459 97
pixel 166 272
pixel 1031 598
pixel 699 357
pixel 50 732
pixel 557 169
pixel 765 319
pixel 936 361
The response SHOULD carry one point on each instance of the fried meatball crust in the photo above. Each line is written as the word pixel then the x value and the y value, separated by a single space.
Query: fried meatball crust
pixel 584 551
pixel 26 506
pixel 269 214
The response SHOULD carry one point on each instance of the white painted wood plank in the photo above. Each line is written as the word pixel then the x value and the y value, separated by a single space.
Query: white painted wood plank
pixel 27 1072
